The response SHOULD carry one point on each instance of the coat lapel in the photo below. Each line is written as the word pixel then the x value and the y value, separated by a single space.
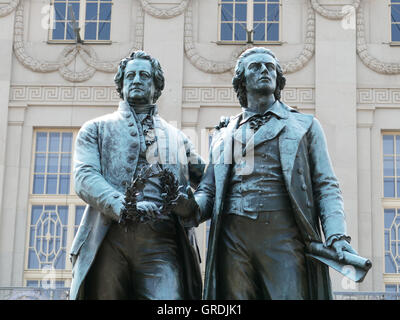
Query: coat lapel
pixel 289 142
pixel 222 159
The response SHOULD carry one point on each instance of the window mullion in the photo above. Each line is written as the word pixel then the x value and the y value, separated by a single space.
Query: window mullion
pixel 82 16
pixel 250 16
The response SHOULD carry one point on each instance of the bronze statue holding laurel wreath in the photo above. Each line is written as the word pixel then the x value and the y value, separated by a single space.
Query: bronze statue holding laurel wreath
pixel 134 170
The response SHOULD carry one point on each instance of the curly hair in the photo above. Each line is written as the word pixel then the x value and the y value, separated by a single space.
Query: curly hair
pixel 158 75
pixel 239 80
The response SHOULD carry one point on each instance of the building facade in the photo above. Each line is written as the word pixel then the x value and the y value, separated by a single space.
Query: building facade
pixel 58 58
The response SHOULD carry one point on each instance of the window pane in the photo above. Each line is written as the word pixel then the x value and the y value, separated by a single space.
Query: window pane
pixel 75 10
pixel 32 283
pixel 241 12
pixel 396 32
pixel 66 145
pixel 227 12
pixel 65 166
pixel 36 212
pixel 273 31
pixel 391 288
pixel 259 12
pixel 226 31
pixel 63 214
pixel 33 262
pixel 388 166
pixel 79 210
pixel 389 215
pixel 51 184
pixel 59 10
pixel 240 32
pixel 38 184
pixel 105 11
pixel 395 12
pixel 58 31
pixel 91 11
pixel 390 266
pixel 388 187
pixel 64 184
pixel 259 32
pixel 40 162
pixel 90 31
pixel 52 162
pixel 398 144
pixel 70 31
pixel 41 141
pixel 273 12
pixel 388 144
pixel 54 142
pixel 104 31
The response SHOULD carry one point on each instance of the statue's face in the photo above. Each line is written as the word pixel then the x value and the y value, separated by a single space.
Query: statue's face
pixel 260 73
pixel 138 82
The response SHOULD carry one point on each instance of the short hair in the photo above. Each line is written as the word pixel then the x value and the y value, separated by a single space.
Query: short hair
pixel 238 80
pixel 158 75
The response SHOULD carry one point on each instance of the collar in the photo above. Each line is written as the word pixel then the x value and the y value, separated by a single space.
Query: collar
pixel 276 108
pixel 151 109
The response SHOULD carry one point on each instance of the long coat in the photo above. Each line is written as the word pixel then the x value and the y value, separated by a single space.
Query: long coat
pixel 106 155
pixel 309 178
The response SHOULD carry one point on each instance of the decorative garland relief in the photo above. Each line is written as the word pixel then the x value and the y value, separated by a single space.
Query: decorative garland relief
pixel 8 8
pixel 164 13
pixel 89 56
pixel 66 57
pixel 211 66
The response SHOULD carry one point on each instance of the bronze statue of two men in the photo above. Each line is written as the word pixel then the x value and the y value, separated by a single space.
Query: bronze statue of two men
pixel 268 188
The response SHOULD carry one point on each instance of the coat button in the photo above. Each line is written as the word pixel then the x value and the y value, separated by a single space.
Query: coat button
pixel 130 124
pixel 309 204
pixel 300 170
pixel 133 134
pixel 116 196
pixel 129 170
pixel 134 144
pixel 304 187
pixel 128 115
pixel 131 158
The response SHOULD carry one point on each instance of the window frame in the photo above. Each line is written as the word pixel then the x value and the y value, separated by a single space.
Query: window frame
pixel 388 203
pixel 391 41
pixel 70 200
pixel 82 22
pixel 235 42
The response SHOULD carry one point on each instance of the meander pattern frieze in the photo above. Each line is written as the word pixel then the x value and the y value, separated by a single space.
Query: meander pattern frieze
pixel 378 96
pixel 226 95
pixel 69 53
pixel 6 9
pixel 61 94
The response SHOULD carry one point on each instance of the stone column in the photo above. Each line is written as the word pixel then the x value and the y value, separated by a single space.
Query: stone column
pixel 335 108
pixel 6 49
pixel 163 39
pixel 365 121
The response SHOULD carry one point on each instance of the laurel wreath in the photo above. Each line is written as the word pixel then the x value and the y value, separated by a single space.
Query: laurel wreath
pixel 169 194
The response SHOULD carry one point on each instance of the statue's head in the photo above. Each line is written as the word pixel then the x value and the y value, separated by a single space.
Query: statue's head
pixel 258 68
pixel 139 79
